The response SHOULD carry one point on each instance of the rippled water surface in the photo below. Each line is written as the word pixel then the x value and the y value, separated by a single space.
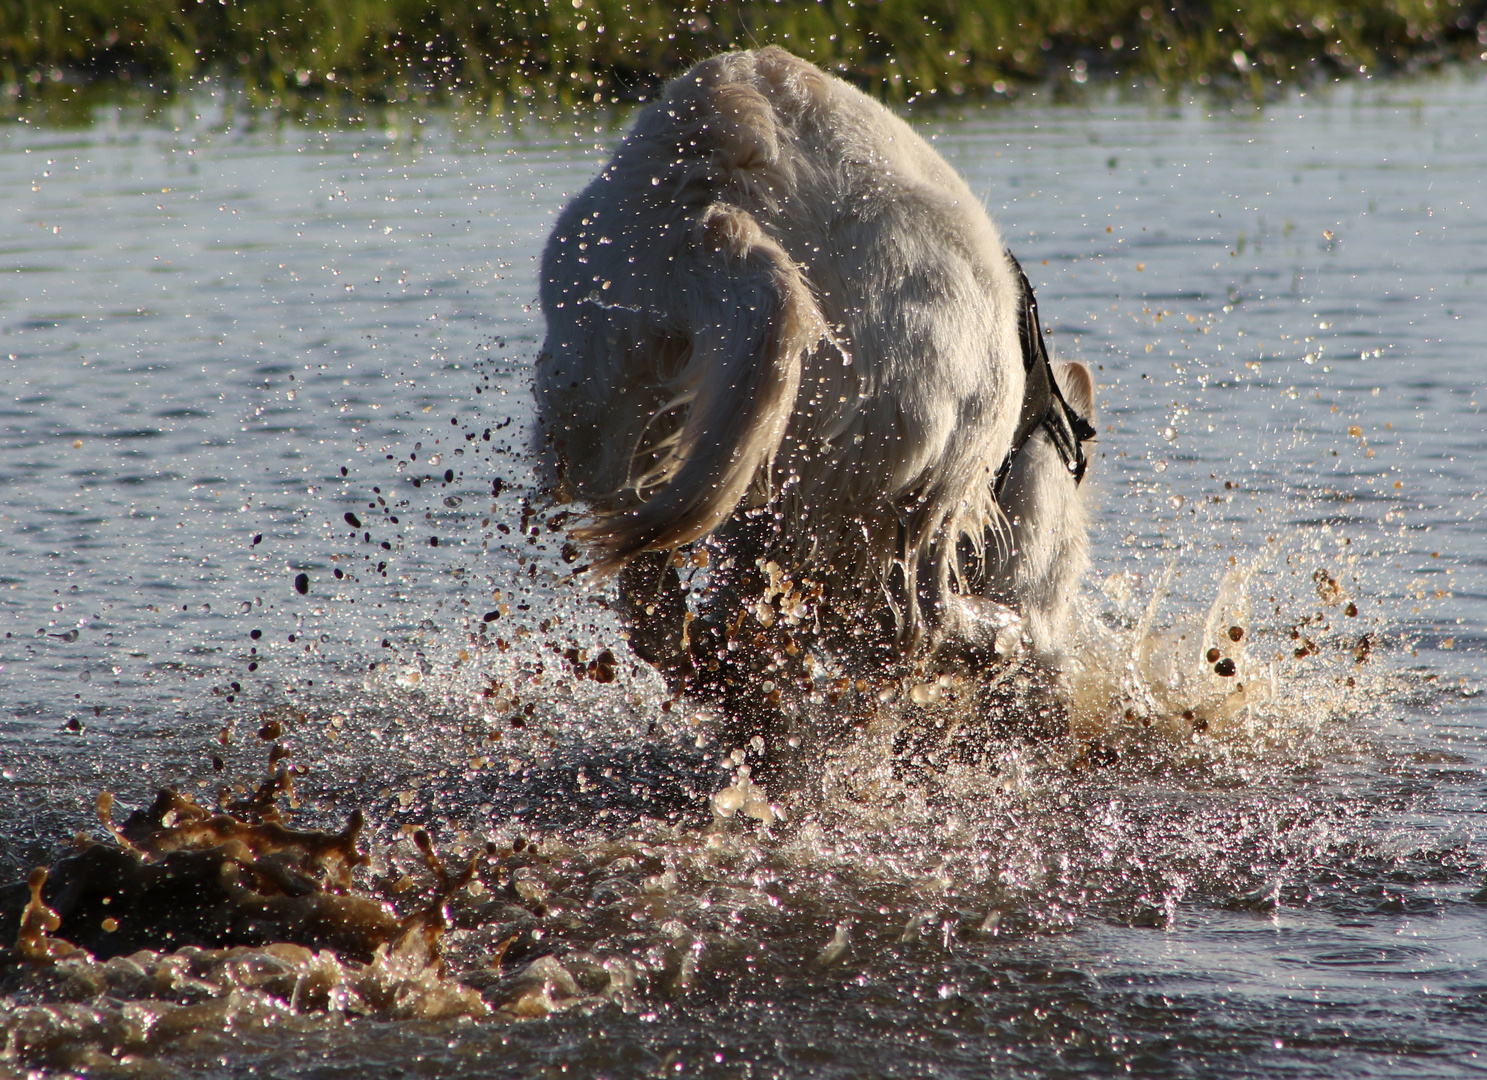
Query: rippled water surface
pixel 221 333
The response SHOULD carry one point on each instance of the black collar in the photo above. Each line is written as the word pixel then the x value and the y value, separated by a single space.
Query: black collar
pixel 1043 403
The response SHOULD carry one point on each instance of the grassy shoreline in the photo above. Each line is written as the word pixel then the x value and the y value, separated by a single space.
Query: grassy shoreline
pixel 609 50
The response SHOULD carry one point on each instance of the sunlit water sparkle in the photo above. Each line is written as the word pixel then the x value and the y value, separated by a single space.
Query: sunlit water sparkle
pixel 208 313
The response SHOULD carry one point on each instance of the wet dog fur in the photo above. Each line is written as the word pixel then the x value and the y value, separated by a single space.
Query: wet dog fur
pixel 783 340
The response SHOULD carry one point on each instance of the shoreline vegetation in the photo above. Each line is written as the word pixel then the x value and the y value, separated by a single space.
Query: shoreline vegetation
pixel 612 51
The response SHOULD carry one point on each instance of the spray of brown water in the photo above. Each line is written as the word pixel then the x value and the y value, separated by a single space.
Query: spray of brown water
pixel 134 954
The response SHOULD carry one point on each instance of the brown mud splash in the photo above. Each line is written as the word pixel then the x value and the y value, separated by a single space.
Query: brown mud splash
pixel 188 923
pixel 178 874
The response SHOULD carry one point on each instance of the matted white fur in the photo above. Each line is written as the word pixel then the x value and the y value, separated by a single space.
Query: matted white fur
pixel 778 295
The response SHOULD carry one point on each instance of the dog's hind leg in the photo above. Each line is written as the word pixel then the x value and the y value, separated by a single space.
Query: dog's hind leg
pixel 653 606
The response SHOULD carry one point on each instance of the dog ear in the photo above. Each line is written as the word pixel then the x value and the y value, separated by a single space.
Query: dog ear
pixel 1078 387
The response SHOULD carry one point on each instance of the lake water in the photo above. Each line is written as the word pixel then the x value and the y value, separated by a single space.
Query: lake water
pixel 221 332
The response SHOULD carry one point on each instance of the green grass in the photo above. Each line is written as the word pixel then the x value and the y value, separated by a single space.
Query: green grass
pixel 574 50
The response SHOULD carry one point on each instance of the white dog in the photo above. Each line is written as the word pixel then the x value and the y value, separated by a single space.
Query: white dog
pixel 779 322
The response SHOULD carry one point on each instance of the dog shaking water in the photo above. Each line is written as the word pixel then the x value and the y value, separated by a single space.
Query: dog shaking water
pixel 782 330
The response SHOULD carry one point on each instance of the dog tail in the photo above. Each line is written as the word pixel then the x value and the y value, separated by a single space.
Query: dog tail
pixel 752 319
